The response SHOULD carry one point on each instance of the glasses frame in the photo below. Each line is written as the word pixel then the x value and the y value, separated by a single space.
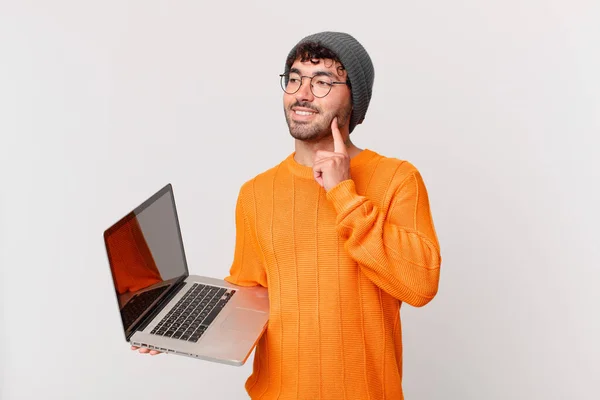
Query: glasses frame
pixel 286 76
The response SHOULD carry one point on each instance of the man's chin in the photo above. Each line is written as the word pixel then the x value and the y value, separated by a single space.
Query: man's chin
pixel 307 131
pixel 307 136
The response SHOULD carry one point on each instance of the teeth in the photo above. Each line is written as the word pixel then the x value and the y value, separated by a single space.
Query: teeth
pixel 304 112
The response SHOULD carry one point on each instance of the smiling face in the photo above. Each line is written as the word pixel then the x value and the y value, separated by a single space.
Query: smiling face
pixel 309 117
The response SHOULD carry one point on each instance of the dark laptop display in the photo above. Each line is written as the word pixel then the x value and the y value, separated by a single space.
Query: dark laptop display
pixel 146 257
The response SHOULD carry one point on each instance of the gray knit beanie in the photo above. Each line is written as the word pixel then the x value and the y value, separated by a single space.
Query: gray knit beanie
pixel 357 63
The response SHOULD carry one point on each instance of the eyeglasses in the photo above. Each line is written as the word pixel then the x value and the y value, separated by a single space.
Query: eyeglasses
pixel 320 85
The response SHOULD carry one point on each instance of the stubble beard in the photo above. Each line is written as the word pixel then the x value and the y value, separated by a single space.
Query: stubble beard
pixel 313 131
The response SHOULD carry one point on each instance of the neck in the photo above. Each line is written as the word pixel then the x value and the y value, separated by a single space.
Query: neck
pixel 305 151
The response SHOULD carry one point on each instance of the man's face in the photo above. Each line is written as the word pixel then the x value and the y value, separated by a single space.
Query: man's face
pixel 308 117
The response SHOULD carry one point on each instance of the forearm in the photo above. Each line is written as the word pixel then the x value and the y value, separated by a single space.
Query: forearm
pixel 401 260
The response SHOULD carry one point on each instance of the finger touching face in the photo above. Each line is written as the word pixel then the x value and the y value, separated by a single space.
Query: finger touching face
pixel 338 139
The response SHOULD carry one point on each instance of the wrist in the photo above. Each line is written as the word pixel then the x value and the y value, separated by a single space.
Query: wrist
pixel 342 195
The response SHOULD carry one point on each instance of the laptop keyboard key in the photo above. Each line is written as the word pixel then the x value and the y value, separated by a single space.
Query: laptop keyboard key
pixel 196 335
pixel 213 314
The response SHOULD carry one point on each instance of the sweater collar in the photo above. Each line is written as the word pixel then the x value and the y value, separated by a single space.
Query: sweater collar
pixel 304 171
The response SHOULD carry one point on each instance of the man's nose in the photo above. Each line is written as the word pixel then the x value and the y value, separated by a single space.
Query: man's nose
pixel 304 93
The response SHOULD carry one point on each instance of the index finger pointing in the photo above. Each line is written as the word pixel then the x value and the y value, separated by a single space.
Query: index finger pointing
pixel 338 140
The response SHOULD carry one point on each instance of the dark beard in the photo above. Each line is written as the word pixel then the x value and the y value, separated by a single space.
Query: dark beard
pixel 315 130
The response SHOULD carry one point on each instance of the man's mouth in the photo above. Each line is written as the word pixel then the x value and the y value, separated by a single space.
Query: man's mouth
pixel 298 112
pixel 305 112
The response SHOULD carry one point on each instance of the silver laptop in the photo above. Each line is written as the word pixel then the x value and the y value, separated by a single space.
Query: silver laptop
pixel 163 307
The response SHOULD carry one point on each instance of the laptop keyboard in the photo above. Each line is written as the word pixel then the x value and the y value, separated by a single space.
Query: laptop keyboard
pixel 193 313
pixel 139 303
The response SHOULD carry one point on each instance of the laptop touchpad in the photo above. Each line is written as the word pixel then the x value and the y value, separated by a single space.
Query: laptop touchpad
pixel 242 320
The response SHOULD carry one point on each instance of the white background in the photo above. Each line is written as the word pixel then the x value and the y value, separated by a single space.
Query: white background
pixel 497 103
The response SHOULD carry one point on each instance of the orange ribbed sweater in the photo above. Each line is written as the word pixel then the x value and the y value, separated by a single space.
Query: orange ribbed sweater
pixel 338 265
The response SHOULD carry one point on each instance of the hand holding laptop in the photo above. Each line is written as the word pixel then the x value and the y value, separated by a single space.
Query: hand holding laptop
pixel 144 350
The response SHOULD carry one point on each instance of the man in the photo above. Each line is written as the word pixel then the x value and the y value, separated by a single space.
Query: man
pixel 341 237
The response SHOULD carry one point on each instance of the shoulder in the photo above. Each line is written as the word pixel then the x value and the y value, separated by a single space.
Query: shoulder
pixel 260 183
pixel 392 169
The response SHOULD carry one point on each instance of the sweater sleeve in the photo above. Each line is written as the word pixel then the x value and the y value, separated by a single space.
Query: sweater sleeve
pixel 246 268
pixel 398 250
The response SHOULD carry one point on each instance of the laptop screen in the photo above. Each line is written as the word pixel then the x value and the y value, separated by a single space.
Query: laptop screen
pixel 146 256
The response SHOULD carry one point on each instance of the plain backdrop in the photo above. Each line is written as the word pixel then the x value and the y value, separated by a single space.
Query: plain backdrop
pixel 496 103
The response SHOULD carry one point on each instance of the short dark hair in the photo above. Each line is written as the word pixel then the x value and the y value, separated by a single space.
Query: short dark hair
pixel 309 51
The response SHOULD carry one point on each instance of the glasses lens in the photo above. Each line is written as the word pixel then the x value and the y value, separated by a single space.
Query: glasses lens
pixel 321 85
pixel 294 82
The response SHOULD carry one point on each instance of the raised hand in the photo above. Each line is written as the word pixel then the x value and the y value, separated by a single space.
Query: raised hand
pixel 332 167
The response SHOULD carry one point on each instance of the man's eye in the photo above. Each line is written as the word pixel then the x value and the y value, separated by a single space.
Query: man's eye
pixel 322 83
